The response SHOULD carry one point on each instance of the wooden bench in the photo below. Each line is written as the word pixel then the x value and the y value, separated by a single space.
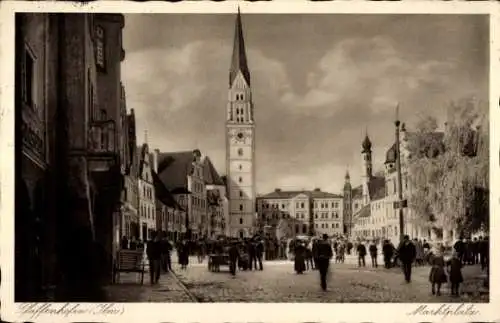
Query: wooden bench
pixel 129 261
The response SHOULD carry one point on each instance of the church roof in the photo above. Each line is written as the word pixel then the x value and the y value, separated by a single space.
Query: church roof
pixel 376 188
pixel 438 137
pixel 173 169
pixel 367 144
pixel 239 60
pixel 357 192
pixel 210 174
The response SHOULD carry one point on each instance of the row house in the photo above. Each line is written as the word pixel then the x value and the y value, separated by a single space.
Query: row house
pixel 182 174
pixel 68 179
pixel 217 201
pixel 170 215
pixel 147 196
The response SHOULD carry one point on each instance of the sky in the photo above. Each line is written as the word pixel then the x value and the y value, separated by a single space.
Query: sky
pixel 319 83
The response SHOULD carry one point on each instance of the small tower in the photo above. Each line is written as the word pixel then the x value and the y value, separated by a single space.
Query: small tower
pixel 347 215
pixel 366 174
pixel 367 158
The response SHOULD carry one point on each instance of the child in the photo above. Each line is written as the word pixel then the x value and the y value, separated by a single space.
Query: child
pixel 455 273
pixel 437 275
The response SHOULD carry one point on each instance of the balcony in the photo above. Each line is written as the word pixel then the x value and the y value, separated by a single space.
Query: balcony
pixel 102 154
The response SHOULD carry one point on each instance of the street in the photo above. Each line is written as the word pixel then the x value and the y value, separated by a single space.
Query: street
pixel 279 283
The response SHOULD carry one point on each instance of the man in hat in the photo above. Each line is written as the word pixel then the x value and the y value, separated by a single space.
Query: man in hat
pixel 325 253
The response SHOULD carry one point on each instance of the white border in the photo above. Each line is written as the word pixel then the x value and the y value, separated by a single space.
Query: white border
pixel 240 312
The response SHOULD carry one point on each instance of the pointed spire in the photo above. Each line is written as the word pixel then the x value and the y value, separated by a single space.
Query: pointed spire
pixel 239 61
pixel 347 177
pixel 145 136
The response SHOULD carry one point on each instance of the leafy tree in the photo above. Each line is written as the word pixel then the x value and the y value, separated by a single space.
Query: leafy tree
pixel 450 169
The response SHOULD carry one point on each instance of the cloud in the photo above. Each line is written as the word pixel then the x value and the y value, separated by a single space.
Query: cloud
pixel 370 71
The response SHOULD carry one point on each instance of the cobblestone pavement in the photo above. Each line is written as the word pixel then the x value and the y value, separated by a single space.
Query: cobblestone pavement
pixel 347 283
pixel 130 289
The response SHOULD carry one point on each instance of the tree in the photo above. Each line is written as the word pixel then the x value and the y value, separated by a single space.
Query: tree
pixel 450 170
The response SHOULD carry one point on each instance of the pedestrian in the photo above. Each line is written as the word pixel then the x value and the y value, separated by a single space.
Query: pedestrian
pixel 183 253
pixel 154 256
pixel 166 249
pixel 325 253
pixel 459 247
pixel 388 251
pixel 406 255
pixel 300 253
pixel 455 274
pixel 437 274
pixel 484 250
pixel 124 243
pixel 361 250
pixel 419 258
pixel 133 243
pixel 259 251
pixel 475 251
pixel 233 257
pixel 349 247
pixel 373 253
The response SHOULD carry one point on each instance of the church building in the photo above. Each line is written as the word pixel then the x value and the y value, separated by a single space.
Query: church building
pixel 240 142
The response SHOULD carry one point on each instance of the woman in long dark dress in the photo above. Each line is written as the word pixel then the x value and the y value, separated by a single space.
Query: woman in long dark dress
pixel 300 253
pixel 437 275
pixel 455 273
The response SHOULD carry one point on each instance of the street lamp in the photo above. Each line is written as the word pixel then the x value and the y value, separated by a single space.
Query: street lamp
pixel 400 202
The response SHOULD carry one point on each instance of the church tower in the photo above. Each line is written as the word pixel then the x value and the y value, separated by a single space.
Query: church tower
pixel 366 172
pixel 240 141
pixel 347 216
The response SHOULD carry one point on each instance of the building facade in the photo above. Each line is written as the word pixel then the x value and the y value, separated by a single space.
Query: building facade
pixel 130 222
pixel 373 202
pixel 69 182
pixel 311 212
pixel 240 141
pixel 147 197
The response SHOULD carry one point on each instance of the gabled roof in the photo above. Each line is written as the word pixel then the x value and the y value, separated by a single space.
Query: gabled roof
pixel 278 194
pixel 239 60
pixel 364 212
pixel 210 175
pixel 163 194
pixel 173 169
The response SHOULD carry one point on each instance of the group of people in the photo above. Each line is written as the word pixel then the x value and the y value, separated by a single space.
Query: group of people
pixel 314 254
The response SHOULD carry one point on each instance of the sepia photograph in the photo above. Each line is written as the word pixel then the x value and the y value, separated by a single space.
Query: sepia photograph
pixel 244 157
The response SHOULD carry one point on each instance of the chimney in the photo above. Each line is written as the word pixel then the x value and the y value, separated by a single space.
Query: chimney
pixel 277 189
pixel 156 153
pixel 317 190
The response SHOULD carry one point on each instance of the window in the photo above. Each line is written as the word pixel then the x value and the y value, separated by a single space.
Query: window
pixel 241 193
pixel 29 78
pixel 282 206
pixel 240 152
pixel 316 215
pixel 99 49
pixel 240 179
pixel 315 204
pixel 302 205
pixel 241 220
pixel 241 207
pixel 240 167
pixel 326 225
pixel 304 228
pixel 322 225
